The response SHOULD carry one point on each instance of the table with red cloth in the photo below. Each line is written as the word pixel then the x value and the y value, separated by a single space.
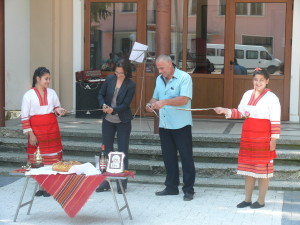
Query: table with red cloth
pixel 72 191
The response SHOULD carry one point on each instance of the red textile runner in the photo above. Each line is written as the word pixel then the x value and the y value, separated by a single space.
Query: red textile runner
pixel 71 191
pixel 255 142
pixel 126 173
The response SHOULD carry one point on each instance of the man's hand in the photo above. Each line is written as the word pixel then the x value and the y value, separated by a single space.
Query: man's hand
pixel 158 104
pixel 149 107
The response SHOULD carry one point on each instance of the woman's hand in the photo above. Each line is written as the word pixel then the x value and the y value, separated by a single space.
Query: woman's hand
pixel 273 144
pixel 104 108
pixel 60 111
pixel 220 110
pixel 32 139
pixel 109 110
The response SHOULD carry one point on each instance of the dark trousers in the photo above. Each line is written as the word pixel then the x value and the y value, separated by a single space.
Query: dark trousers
pixel 172 140
pixel 123 131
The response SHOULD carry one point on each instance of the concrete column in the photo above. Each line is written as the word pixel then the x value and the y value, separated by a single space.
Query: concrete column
pixel 163 27
pixel 78 32
pixel 2 63
pixel 295 69
pixel 163 35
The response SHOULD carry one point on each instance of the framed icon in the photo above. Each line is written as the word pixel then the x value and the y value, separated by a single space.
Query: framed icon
pixel 115 162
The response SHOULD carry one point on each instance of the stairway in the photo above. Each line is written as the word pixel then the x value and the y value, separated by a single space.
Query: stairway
pixel 215 157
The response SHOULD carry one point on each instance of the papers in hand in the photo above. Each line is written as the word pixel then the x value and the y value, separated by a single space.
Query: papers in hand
pixel 138 52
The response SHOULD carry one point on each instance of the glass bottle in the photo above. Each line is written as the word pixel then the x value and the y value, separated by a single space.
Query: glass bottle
pixel 103 160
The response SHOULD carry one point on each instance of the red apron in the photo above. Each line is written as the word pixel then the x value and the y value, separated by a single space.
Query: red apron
pixel 46 130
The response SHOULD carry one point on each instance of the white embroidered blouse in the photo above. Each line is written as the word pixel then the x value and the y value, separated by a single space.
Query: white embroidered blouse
pixel 265 106
pixel 34 103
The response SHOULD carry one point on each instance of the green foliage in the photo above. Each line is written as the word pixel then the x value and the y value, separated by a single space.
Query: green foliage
pixel 100 11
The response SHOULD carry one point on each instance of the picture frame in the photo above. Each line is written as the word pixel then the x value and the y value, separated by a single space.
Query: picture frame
pixel 115 162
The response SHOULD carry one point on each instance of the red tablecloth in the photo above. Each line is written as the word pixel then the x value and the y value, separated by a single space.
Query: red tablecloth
pixel 126 173
pixel 71 191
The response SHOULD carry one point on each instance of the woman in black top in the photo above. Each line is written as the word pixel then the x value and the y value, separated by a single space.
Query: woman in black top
pixel 115 97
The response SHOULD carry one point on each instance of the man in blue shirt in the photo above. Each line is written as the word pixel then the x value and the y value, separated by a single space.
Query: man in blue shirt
pixel 174 90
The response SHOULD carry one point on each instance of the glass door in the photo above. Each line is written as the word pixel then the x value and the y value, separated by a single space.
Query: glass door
pixel 111 28
pixel 261 38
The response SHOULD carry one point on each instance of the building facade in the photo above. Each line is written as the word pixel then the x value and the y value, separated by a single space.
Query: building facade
pixel 203 37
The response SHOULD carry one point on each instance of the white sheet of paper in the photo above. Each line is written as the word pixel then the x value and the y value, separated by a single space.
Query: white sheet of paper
pixel 138 52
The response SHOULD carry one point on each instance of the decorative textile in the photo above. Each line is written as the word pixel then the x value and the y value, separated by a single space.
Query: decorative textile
pixel 257 170
pixel 42 99
pixel 47 132
pixel 126 173
pixel 48 159
pixel 235 114
pixel 70 191
pixel 265 106
pixel 35 104
pixel 255 142
pixel 253 100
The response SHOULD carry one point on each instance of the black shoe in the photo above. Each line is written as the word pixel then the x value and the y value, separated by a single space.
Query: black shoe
pixel 46 194
pixel 188 197
pixel 243 204
pixel 256 205
pixel 120 192
pixel 39 193
pixel 101 189
pixel 166 192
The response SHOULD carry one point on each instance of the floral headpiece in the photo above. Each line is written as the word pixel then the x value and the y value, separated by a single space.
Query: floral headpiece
pixel 257 69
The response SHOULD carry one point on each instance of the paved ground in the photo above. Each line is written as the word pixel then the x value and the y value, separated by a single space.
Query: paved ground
pixel 211 206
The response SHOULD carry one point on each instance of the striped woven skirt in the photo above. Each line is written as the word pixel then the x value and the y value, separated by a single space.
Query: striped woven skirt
pixel 255 158
pixel 46 130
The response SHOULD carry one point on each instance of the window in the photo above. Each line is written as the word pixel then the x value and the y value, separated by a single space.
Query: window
pixel 128 7
pixel 265 55
pixel 193 7
pixel 250 54
pixel 221 52
pixel 222 7
pixel 256 9
pixel 267 42
pixel 210 52
pixel 243 9
pixel 239 54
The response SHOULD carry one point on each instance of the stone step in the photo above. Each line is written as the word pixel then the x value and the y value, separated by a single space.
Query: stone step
pixel 199 140
pixel 156 167
pixel 149 151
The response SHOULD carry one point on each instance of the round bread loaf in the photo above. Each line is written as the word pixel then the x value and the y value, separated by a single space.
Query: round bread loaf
pixel 64 166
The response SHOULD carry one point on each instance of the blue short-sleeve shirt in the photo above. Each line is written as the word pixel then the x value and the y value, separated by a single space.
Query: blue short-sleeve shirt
pixel 180 85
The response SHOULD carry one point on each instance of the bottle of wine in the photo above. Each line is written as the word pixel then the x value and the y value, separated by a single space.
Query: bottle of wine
pixel 103 160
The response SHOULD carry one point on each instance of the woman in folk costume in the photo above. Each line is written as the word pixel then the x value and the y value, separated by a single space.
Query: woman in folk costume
pixel 261 109
pixel 40 106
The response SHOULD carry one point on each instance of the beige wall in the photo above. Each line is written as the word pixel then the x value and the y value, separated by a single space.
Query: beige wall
pixel 51 44
pixel 17 65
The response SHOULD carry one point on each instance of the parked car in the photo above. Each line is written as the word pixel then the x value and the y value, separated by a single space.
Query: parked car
pixel 249 56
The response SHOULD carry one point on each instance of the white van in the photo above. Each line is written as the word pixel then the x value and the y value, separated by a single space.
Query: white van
pixel 249 56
